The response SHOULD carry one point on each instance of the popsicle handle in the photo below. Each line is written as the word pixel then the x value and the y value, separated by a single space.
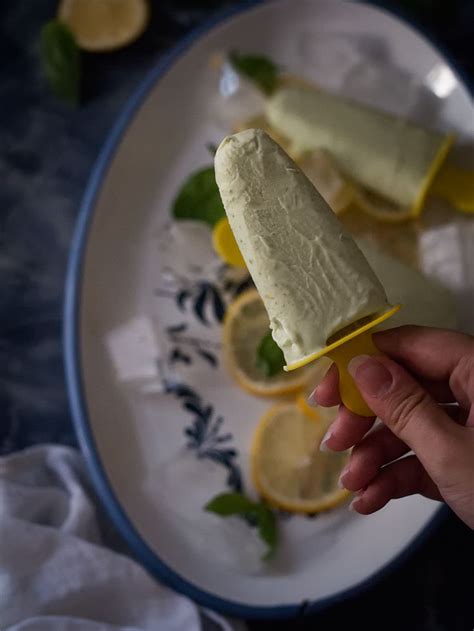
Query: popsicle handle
pixel 360 345
pixel 456 186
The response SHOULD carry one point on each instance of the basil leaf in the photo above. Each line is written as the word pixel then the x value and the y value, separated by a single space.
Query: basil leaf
pixel 260 70
pixel 257 514
pixel 227 504
pixel 61 60
pixel 199 198
pixel 270 359
pixel 267 529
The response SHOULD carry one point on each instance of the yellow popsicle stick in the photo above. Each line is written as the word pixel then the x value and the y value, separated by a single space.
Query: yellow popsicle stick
pixel 341 350
pixel 436 165
pixel 361 345
pixel 456 186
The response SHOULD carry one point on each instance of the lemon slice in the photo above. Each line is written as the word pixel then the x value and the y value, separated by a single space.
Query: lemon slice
pixel 289 471
pixel 245 324
pixel 381 209
pixel 225 244
pixel 101 25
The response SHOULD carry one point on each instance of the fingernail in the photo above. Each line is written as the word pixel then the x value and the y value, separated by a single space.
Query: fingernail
pixel 344 472
pixel 353 505
pixel 370 375
pixel 355 362
pixel 312 401
pixel 326 437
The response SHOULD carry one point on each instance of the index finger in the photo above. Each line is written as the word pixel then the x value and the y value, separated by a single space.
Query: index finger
pixel 326 392
pixel 427 352
pixel 348 428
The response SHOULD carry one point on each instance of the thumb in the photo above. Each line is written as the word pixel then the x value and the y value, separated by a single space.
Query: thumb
pixel 408 410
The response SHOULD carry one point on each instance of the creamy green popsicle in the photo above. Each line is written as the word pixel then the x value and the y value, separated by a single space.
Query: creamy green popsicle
pixel 313 279
pixel 390 156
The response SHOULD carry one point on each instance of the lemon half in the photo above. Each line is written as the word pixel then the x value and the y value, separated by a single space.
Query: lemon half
pixel 102 25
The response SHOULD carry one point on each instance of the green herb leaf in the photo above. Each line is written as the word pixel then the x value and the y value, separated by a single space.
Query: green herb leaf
pixel 199 198
pixel 227 504
pixel 212 148
pixel 260 70
pixel 267 529
pixel 61 60
pixel 270 358
pixel 257 513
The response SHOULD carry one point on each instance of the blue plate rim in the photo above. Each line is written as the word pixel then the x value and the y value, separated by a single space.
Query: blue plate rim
pixel 73 369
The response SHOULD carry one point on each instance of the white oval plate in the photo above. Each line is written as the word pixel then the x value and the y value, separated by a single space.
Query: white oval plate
pixel 156 457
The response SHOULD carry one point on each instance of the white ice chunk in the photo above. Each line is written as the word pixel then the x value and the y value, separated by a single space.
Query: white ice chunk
pixel 134 350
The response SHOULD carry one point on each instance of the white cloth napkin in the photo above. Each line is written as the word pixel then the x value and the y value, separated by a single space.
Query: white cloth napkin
pixel 55 574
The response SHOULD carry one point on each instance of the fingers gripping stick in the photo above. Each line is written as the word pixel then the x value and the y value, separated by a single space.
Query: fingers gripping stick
pixel 342 347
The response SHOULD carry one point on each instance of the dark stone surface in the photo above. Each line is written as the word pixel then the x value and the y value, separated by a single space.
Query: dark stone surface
pixel 46 152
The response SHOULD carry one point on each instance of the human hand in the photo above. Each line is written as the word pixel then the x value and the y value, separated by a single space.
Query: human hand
pixel 409 390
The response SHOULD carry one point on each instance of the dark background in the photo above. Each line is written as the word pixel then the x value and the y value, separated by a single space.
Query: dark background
pixel 47 150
